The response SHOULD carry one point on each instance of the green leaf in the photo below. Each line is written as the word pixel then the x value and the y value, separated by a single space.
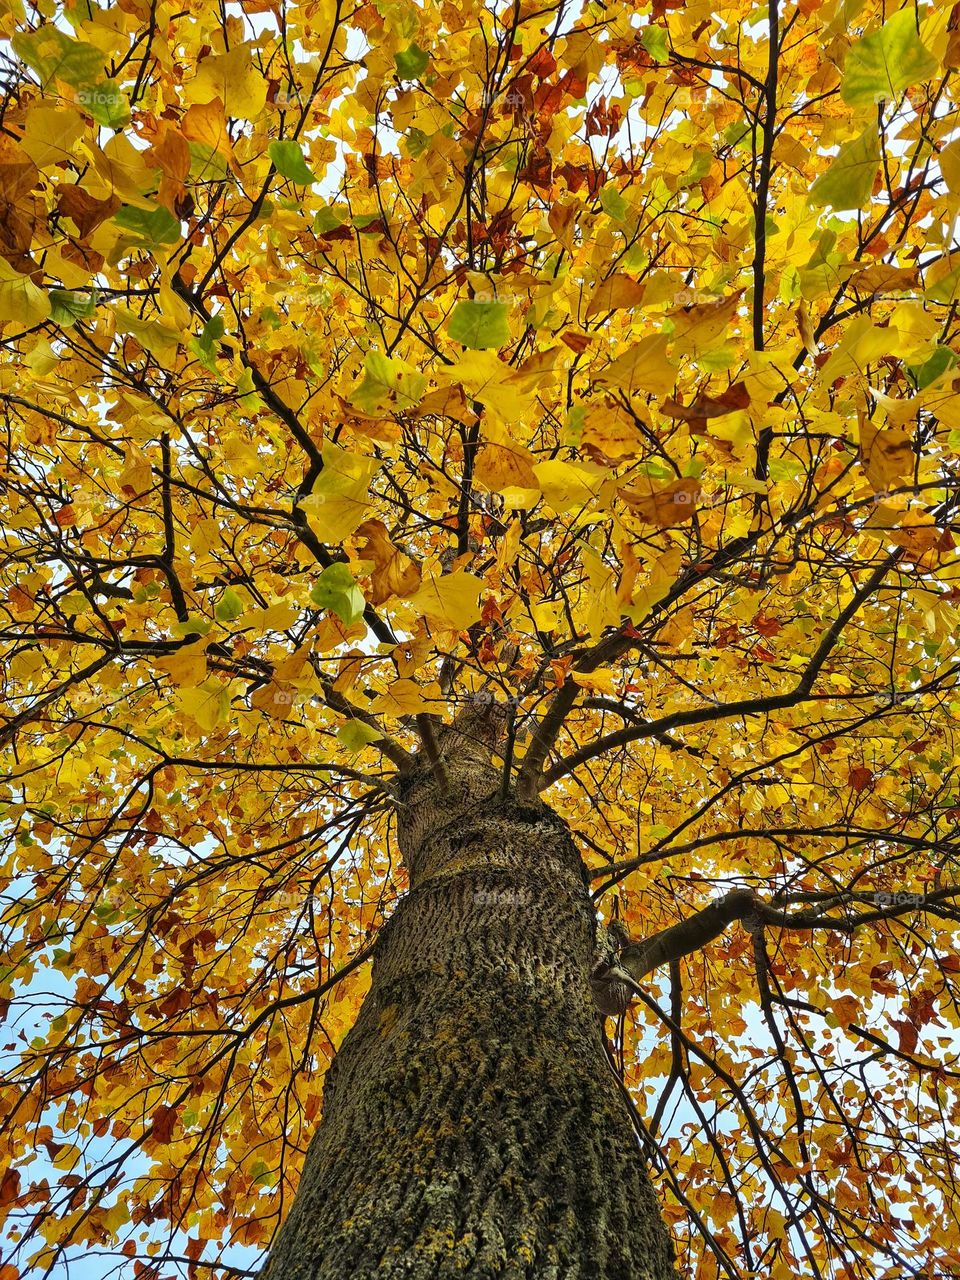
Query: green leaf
pixel 54 55
pixel 848 183
pixel 107 103
pixel 737 133
pixel 337 591
pixel 787 468
pixel 153 226
pixel 287 157
pixel 355 735
pixel 946 287
pixel 191 627
pixel 245 390
pixel 416 142
pixel 387 384
pixel 411 63
pixel 480 324
pixel 330 217
pixel 229 607
pixel 699 168
pixel 202 346
pixel 573 427
pixel 68 306
pixel 212 332
pixel 924 374
pixel 654 40
pixel 612 203
pixel 883 63
pixel 207 164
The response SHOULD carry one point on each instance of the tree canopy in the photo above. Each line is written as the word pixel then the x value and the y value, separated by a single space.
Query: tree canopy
pixel 363 362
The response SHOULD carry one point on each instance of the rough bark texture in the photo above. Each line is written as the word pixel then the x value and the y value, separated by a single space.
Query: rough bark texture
pixel 471 1123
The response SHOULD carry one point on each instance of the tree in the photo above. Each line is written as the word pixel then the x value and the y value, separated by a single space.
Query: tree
pixel 480 494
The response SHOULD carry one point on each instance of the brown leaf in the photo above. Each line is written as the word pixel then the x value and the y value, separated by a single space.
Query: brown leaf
pixel 859 778
pixel 85 211
pixel 735 397
pixel 394 573
pixel 908 1033
pixel 674 504
pixel 164 1120
pixel 9 1187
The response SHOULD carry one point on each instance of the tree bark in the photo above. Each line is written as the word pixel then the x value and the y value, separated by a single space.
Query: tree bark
pixel 472 1125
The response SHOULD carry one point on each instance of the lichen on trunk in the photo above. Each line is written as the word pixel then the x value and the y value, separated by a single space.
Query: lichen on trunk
pixel 472 1125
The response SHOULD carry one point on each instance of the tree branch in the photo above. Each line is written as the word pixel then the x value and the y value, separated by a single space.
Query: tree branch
pixel 743 707
pixel 641 958
pixel 425 729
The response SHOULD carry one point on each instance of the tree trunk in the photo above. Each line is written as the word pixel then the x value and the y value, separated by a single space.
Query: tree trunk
pixel 472 1125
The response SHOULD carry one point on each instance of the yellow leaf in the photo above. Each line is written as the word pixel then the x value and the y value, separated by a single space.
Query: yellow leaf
pixel 276 699
pixel 51 134
pixel 276 617
pixel 665 505
pixel 614 293
pixel 137 475
pixel 406 698
pixel 643 369
pixel 411 654
pixel 699 326
pixel 451 602
pixel 602 605
pixel 22 304
pixel 125 172
pixel 154 337
pixel 735 429
pixel 603 680
pixel 394 573
pixel 547 614
pixel 500 466
pixel 208 705
pixel 205 122
pixel 337 504
pixel 611 433
pixel 488 379
pixel 187 667
pixel 662 577
pixel 234 79
pixel 566 485
pixel 886 454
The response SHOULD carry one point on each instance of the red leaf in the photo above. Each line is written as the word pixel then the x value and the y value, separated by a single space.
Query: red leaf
pixel 767 626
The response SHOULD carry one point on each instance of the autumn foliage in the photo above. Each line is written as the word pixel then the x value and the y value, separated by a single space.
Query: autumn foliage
pixel 363 361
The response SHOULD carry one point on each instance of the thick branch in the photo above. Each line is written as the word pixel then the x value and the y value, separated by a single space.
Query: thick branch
pixel 637 959
pixel 641 958
pixel 425 730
